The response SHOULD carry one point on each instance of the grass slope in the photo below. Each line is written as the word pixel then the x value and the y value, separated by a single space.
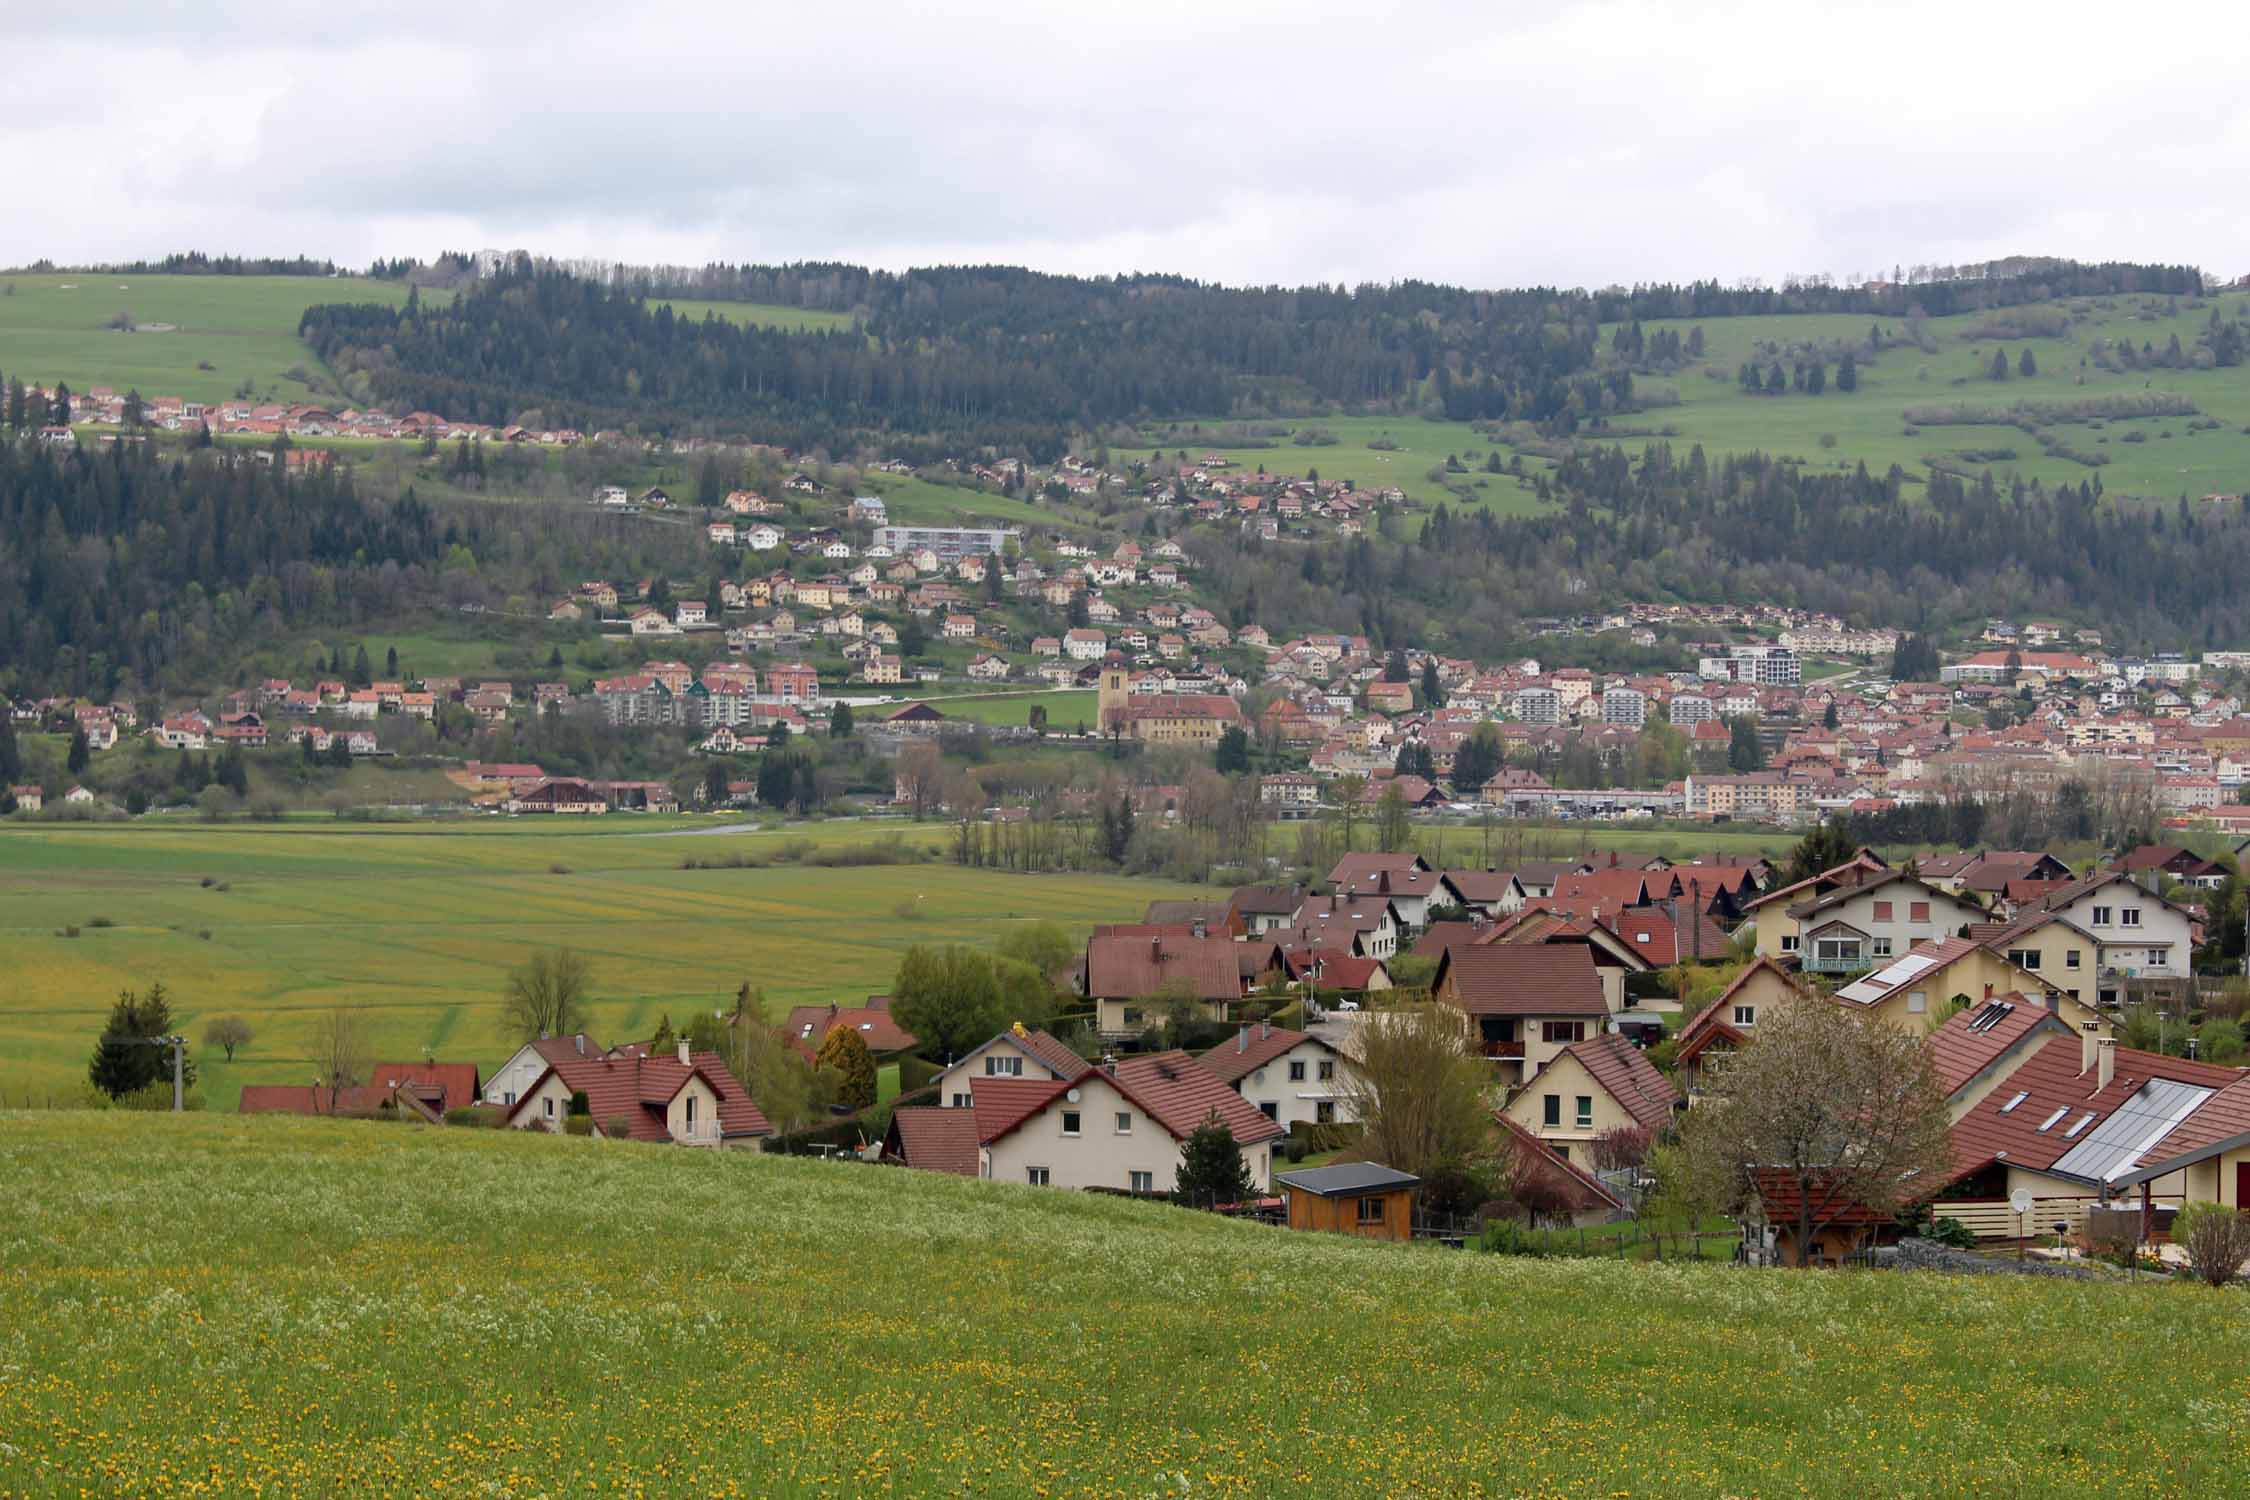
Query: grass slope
pixel 245 327
pixel 755 314
pixel 2168 459
pixel 483 1312
pixel 420 924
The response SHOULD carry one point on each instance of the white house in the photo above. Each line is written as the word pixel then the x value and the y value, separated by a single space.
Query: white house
pixel 1291 1077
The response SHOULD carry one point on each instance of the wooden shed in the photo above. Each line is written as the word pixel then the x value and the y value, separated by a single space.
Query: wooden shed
pixel 1356 1197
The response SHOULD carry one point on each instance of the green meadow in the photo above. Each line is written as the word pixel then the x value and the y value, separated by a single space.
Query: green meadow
pixel 1419 445
pixel 219 1305
pixel 2160 457
pixel 420 923
pixel 244 327
pixel 1065 710
pixel 755 314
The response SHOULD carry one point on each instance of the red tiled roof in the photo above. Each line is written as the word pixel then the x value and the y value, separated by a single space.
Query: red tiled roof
pixel 639 1089
pixel 1586 1190
pixel 1180 1096
pixel 1001 1104
pixel 1441 936
pixel 1781 1196
pixel 2055 1078
pixel 936 1140
pixel 1525 979
pixel 810 1024
pixel 1626 1076
pixel 1972 1040
pixel 1481 885
pixel 1125 968
pixel 459 1080
pixel 1252 1048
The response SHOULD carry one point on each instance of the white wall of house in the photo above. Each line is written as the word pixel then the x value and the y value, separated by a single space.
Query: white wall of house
pixel 2134 930
pixel 1293 1087
pixel 1007 1060
pixel 1099 1154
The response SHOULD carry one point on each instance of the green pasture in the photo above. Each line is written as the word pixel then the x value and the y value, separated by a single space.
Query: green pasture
pixel 1065 710
pixel 419 924
pixel 1870 425
pixel 1421 445
pixel 755 314
pixel 281 1307
pixel 245 327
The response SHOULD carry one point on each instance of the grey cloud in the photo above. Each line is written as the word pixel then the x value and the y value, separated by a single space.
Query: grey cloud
pixel 1569 143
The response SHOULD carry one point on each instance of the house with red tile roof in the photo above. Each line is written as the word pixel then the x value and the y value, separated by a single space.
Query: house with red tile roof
pixel 1731 1019
pixel 1589 1089
pixel 688 1099
pixel 1980 1045
pixel 455 1082
pixel 1581 1197
pixel 1119 1126
pixel 1781 1204
pixel 1124 972
pixel 1019 1052
pixel 1525 1001
pixel 514 1078
pixel 2078 1118
pixel 1290 1077
pixel 809 1025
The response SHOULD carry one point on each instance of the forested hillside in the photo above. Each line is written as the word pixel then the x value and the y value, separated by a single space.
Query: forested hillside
pixel 1752 527
pixel 121 571
pixel 1003 357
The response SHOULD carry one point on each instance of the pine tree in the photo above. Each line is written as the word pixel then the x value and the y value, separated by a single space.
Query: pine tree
pixel 2000 364
pixel 2026 366
pixel 1847 373
pixel 1212 1171
pixel 845 1050
pixel 1232 754
pixel 80 751
pixel 1777 379
pixel 665 1039
pixel 123 1061
pixel 1433 691
pixel 362 673
pixel 390 663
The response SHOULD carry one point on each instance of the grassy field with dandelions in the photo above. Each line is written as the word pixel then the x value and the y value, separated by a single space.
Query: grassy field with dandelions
pixel 281 1307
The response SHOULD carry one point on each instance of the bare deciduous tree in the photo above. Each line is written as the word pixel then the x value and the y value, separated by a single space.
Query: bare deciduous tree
pixel 227 1033
pixel 918 775
pixel 546 995
pixel 340 1051
pixel 1848 1108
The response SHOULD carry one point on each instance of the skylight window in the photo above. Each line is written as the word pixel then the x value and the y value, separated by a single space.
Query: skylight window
pixel 2049 1123
pixel 2078 1124
pixel 2009 1107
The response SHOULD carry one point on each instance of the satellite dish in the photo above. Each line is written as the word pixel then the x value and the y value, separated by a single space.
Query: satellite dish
pixel 1072 1096
pixel 2019 1201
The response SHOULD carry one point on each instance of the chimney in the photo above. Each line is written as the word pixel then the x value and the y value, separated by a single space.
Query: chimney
pixel 1268 1023
pixel 1155 948
pixel 580 1039
pixel 1988 992
pixel 2089 1039
pixel 2105 1061
pixel 684 1052
pixel 1242 1039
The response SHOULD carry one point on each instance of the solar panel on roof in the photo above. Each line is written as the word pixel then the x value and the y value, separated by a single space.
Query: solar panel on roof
pixel 1992 1015
pixel 2116 1145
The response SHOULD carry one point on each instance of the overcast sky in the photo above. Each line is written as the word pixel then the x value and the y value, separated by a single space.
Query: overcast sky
pixel 1492 144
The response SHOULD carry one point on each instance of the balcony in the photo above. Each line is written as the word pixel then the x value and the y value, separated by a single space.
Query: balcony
pixel 1847 961
pixel 1503 1051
